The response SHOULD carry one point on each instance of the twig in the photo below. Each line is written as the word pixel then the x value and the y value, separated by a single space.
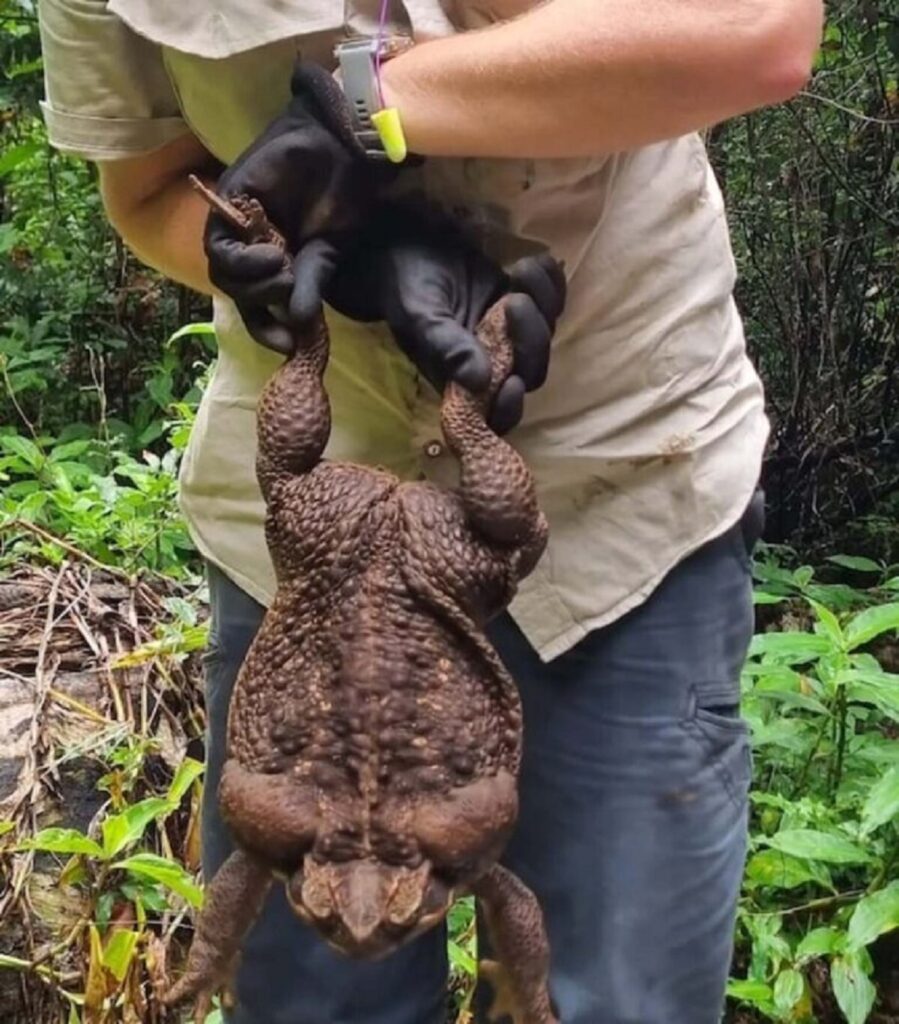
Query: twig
pixel 825 903
pixel 51 538
pixel 22 524
pixel 864 118
pixel 10 391
pixel 243 213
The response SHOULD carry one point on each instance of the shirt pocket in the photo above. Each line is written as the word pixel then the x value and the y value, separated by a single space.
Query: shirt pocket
pixel 229 63
pixel 223 28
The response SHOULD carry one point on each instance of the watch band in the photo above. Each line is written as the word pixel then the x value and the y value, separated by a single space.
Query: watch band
pixel 377 128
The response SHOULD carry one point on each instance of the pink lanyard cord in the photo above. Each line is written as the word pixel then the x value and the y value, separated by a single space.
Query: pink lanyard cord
pixel 382 31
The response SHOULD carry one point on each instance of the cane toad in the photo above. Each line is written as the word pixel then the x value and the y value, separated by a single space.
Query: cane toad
pixel 374 735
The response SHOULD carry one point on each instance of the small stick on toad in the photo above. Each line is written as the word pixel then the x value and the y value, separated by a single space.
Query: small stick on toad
pixel 244 214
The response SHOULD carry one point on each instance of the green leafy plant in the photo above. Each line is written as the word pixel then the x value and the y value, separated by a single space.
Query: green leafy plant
pixel 139 875
pixel 120 884
pixel 820 881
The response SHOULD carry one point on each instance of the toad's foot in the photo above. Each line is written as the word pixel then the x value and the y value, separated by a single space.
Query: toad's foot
pixel 503 1001
pixel 168 995
pixel 186 988
pixel 233 901
pixel 518 936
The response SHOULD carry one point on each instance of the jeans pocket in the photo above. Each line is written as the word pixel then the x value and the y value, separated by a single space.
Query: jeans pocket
pixel 716 725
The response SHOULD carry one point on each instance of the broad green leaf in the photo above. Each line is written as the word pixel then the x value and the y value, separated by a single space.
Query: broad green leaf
pixel 794 700
pixel 852 987
pixel 769 676
pixel 461 959
pixel 819 942
pixel 121 830
pixel 793 648
pixel 874 915
pixel 882 804
pixel 855 562
pixel 870 623
pixel 145 892
pixel 756 993
pixel 6 826
pixel 829 623
pixel 878 688
pixel 780 871
pixel 16 155
pixel 26 67
pixel 188 771
pixel 803 576
pixel 879 750
pixel 119 952
pixel 8 239
pixel 62 840
pixel 69 450
pixel 788 989
pixel 838 597
pixel 763 597
pixel 166 872
pixel 24 448
pixel 30 508
pixel 808 844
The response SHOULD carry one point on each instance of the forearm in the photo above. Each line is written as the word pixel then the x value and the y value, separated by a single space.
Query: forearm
pixel 160 217
pixel 582 77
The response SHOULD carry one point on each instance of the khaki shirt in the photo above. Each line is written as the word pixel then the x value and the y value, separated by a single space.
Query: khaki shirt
pixel 646 440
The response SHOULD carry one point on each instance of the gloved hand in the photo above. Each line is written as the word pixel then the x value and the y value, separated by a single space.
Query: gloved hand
pixel 432 286
pixel 314 182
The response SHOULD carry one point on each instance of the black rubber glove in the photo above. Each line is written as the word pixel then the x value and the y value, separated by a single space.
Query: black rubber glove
pixel 314 182
pixel 433 286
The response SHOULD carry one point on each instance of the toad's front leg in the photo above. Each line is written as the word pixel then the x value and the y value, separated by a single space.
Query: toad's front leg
pixel 517 933
pixel 496 485
pixel 234 899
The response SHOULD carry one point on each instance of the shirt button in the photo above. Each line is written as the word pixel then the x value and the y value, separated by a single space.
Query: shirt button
pixel 433 449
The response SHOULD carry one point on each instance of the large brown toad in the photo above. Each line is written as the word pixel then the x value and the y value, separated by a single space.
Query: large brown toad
pixel 374 735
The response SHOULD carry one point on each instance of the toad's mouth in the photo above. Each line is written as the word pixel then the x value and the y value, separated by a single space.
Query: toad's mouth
pixel 365 908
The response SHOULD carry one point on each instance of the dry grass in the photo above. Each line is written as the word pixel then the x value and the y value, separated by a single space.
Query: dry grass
pixel 90 692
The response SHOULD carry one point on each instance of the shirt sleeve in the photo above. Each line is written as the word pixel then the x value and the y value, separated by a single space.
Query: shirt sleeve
pixel 108 94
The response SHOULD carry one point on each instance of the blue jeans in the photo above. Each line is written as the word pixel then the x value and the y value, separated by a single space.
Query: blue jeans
pixel 632 830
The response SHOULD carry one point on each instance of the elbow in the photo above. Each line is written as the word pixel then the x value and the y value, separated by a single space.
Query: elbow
pixel 786 75
pixel 130 187
pixel 781 52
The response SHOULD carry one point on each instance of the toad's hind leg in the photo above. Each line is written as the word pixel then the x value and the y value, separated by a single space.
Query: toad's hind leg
pixel 294 416
pixel 496 485
pixel 233 901
pixel 515 926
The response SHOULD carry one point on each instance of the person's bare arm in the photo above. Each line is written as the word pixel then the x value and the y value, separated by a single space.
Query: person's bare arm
pixel 583 77
pixel 160 217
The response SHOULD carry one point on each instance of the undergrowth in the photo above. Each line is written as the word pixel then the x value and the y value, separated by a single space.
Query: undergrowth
pixel 821 695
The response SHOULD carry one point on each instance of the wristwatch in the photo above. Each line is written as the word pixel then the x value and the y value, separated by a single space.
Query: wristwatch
pixel 377 127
